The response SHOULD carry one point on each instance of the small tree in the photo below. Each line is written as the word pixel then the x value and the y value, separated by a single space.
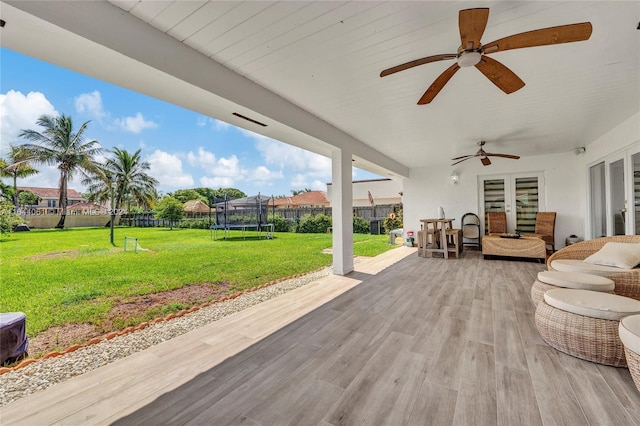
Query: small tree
pixel 171 209
pixel 8 219
pixel 391 223
pixel 28 198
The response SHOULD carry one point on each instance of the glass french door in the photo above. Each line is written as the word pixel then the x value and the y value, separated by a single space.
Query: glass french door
pixel 598 208
pixel 519 195
pixel 614 195
pixel 635 207
pixel 618 200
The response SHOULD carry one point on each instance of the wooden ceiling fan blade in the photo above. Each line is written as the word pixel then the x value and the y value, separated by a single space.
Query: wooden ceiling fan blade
pixel 472 23
pixel 513 157
pixel 417 62
pixel 543 37
pixel 500 75
pixel 438 84
pixel 485 161
pixel 463 156
pixel 463 159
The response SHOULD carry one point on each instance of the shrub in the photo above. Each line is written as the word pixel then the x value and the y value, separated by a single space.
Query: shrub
pixel 361 225
pixel 395 223
pixel 313 224
pixel 280 224
pixel 195 224
pixel 8 219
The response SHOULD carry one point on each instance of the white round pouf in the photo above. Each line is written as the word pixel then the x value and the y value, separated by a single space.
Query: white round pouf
pixel 549 280
pixel 584 323
pixel 629 331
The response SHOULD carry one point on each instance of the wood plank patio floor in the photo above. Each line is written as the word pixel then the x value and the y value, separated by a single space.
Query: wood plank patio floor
pixel 401 341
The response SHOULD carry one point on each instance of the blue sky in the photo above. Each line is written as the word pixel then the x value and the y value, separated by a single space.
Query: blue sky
pixel 185 149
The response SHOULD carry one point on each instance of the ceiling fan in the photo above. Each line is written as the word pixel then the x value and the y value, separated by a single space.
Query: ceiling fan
pixel 472 23
pixel 484 156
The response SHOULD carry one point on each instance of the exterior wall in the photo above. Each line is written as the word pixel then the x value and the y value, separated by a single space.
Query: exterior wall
pixel 49 221
pixel 383 191
pixel 621 141
pixel 620 137
pixel 44 202
pixel 427 189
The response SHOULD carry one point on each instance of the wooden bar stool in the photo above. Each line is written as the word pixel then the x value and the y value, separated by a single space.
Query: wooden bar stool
pixel 454 241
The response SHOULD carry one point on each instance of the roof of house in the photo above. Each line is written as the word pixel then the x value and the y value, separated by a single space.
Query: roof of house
pixel 85 206
pixel 310 198
pixel 50 192
pixel 196 206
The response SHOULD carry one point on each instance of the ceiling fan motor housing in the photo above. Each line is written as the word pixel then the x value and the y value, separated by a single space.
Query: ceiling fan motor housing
pixel 469 57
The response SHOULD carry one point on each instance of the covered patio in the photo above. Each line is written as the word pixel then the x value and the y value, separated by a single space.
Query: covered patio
pixel 308 74
pixel 401 341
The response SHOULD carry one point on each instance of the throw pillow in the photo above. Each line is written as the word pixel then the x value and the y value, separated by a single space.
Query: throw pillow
pixel 618 255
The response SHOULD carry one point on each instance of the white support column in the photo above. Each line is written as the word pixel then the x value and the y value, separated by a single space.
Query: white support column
pixel 342 211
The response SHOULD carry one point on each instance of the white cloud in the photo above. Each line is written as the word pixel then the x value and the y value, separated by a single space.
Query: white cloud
pixel 202 121
pixel 18 112
pixel 312 170
pixel 215 124
pixel 217 182
pixel 90 103
pixel 293 158
pixel 203 159
pixel 228 167
pixel 167 169
pixel 134 124
pixel 261 173
pixel 298 181
pixel 318 185
pixel 220 125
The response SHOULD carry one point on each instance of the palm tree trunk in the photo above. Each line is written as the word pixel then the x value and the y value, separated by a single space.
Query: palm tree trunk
pixel 63 199
pixel 15 189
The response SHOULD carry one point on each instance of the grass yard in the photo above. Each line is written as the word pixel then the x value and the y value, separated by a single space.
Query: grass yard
pixel 58 277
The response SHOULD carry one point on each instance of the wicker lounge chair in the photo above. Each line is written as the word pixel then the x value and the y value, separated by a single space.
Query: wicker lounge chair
pixel 584 323
pixel 627 283
pixel 629 332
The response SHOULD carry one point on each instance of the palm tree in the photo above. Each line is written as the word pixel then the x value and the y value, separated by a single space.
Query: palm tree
pixel 58 145
pixel 16 166
pixel 128 173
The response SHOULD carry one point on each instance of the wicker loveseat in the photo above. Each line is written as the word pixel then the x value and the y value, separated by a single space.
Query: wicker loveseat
pixel 627 283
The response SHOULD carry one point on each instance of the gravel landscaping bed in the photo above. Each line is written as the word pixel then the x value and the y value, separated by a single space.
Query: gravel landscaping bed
pixel 40 375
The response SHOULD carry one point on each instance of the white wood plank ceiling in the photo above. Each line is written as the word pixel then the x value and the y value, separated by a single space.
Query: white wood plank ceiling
pixel 325 57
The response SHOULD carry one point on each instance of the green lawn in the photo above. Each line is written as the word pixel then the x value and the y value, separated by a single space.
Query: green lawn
pixel 74 276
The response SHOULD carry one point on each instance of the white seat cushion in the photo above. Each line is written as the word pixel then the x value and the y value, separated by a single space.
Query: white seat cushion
pixel 629 331
pixel 592 304
pixel 574 265
pixel 618 255
pixel 576 280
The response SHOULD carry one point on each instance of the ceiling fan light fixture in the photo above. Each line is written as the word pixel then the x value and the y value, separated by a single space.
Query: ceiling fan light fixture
pixel 469 59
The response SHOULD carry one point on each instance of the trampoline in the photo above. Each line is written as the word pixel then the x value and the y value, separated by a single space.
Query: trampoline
pixel 243 214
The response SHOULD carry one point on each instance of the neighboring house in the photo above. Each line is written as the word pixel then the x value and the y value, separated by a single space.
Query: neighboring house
pixel 309 199
pixel 50 197
pixel 374 191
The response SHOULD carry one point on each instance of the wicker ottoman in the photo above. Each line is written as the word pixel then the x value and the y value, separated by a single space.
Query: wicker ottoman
pixel 584 323
pixel 630 335
pixel 549 280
